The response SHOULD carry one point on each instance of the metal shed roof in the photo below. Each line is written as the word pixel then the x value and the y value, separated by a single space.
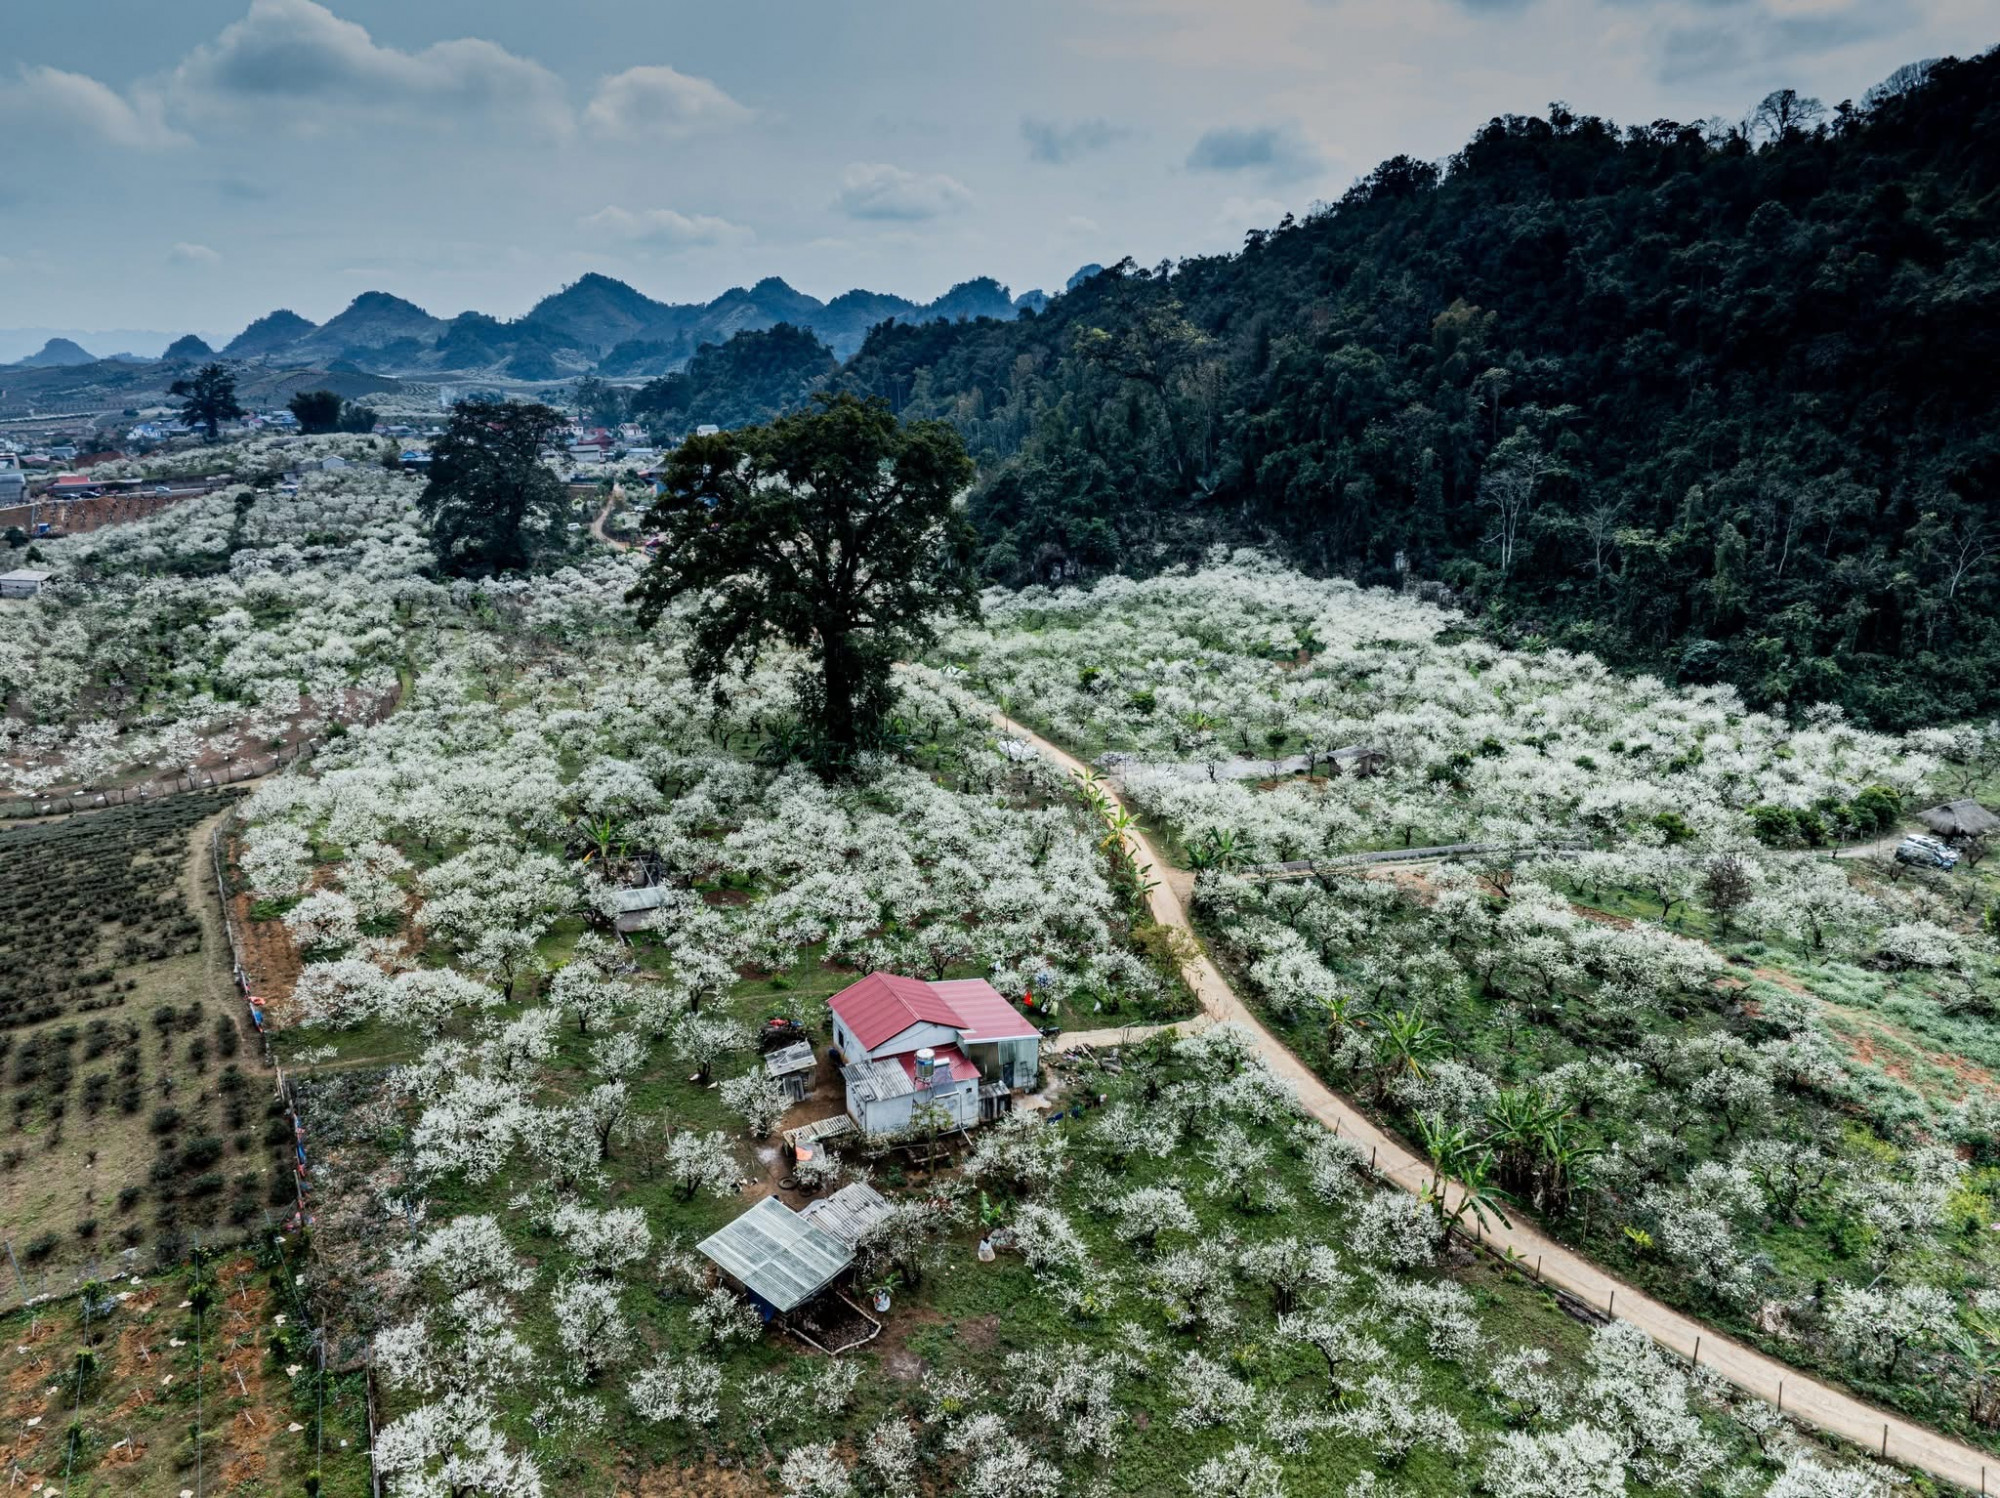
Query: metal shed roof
pixel 646 897
pixel 777 1255
pixel 873 1081
pixel 849 1213
pixel 796 1057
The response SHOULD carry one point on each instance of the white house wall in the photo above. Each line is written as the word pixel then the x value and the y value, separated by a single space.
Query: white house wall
pixel 915 1038
pixel 893 1115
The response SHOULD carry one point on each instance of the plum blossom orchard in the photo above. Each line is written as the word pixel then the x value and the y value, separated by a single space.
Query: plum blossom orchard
pixel 210 632
pixel 523 1121
pixel 1756 1079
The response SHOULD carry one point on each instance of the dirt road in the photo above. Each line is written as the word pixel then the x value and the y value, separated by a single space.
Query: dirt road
pixel 1798 1394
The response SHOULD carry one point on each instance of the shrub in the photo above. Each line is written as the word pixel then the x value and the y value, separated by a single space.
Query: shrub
pixel 1775 826
pixel 199 1153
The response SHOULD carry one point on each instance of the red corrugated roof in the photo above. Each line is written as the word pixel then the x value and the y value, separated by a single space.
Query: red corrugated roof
pixel 984 1015
pixel 882 1005
pixel 949 1056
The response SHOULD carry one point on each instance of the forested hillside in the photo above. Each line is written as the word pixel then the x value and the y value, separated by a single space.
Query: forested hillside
pixel 1715 402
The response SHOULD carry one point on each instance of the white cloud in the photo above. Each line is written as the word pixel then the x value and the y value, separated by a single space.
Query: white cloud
pixel 659 101
pixel 876 190
pixel 297 61
pixel 665 228
pixel 44 99
pixel 185 253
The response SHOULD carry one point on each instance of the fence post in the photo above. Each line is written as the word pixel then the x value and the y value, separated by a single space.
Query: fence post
pixel 1611 1309
pixel 1697 1350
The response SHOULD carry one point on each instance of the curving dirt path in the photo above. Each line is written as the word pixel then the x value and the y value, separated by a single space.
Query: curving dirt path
pixel 597 530
pixel 1797 1394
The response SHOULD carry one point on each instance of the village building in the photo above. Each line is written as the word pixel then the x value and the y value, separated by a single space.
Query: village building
pixel 1959 820
pixel 905 1044
pixel 23 582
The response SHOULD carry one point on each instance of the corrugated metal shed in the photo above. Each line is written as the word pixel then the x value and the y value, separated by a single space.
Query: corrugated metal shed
pixel 882 1005
pixel 849 1213
pixel 873 1081
pixel 636 906
pixel 647 897
pixel 837 1127
pixel 23 582
pixel 777 1255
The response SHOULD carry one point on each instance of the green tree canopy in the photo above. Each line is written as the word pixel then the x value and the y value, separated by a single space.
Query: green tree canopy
pixel 598 402
pixel 750 378
pixel 317 410
pixel 491 503
pixel 836 531
pixel 208 399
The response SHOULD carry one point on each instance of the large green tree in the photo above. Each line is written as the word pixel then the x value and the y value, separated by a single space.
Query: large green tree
pixel 837 531
pixel 208 399
pixel 491 503
pixel 317 411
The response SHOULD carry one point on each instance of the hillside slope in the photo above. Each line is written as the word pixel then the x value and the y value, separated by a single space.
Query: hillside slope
pixel 1714 405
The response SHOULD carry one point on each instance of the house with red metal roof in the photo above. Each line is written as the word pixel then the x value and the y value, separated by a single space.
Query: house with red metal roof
pixel 906 1044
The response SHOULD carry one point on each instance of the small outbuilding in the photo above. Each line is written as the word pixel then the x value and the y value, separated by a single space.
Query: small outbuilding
pixel 636 906
pixel 23 582
pixel 1959 820
pixel 779 1258
pixel 791 1067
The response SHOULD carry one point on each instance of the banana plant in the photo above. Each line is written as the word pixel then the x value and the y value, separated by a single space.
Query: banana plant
pixel 1406 1045
pixel 604 835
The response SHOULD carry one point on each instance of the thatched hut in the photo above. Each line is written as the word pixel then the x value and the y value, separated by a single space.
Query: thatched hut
pixel 1959 820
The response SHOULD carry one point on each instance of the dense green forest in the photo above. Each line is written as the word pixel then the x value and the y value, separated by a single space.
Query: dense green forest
pixel 1719 403
pixel 742 382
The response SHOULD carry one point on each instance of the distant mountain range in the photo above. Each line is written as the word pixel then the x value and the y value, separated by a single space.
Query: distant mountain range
pixel 595 326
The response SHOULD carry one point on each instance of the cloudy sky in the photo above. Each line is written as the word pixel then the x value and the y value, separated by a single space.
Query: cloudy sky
pixel 193 165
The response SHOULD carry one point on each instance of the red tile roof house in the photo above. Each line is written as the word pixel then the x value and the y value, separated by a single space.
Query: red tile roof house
pixel 906 1043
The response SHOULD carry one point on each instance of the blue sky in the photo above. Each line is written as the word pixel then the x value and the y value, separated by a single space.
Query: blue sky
pixel 191 166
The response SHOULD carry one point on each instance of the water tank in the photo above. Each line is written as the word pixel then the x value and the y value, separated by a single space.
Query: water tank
pixel 926 1066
